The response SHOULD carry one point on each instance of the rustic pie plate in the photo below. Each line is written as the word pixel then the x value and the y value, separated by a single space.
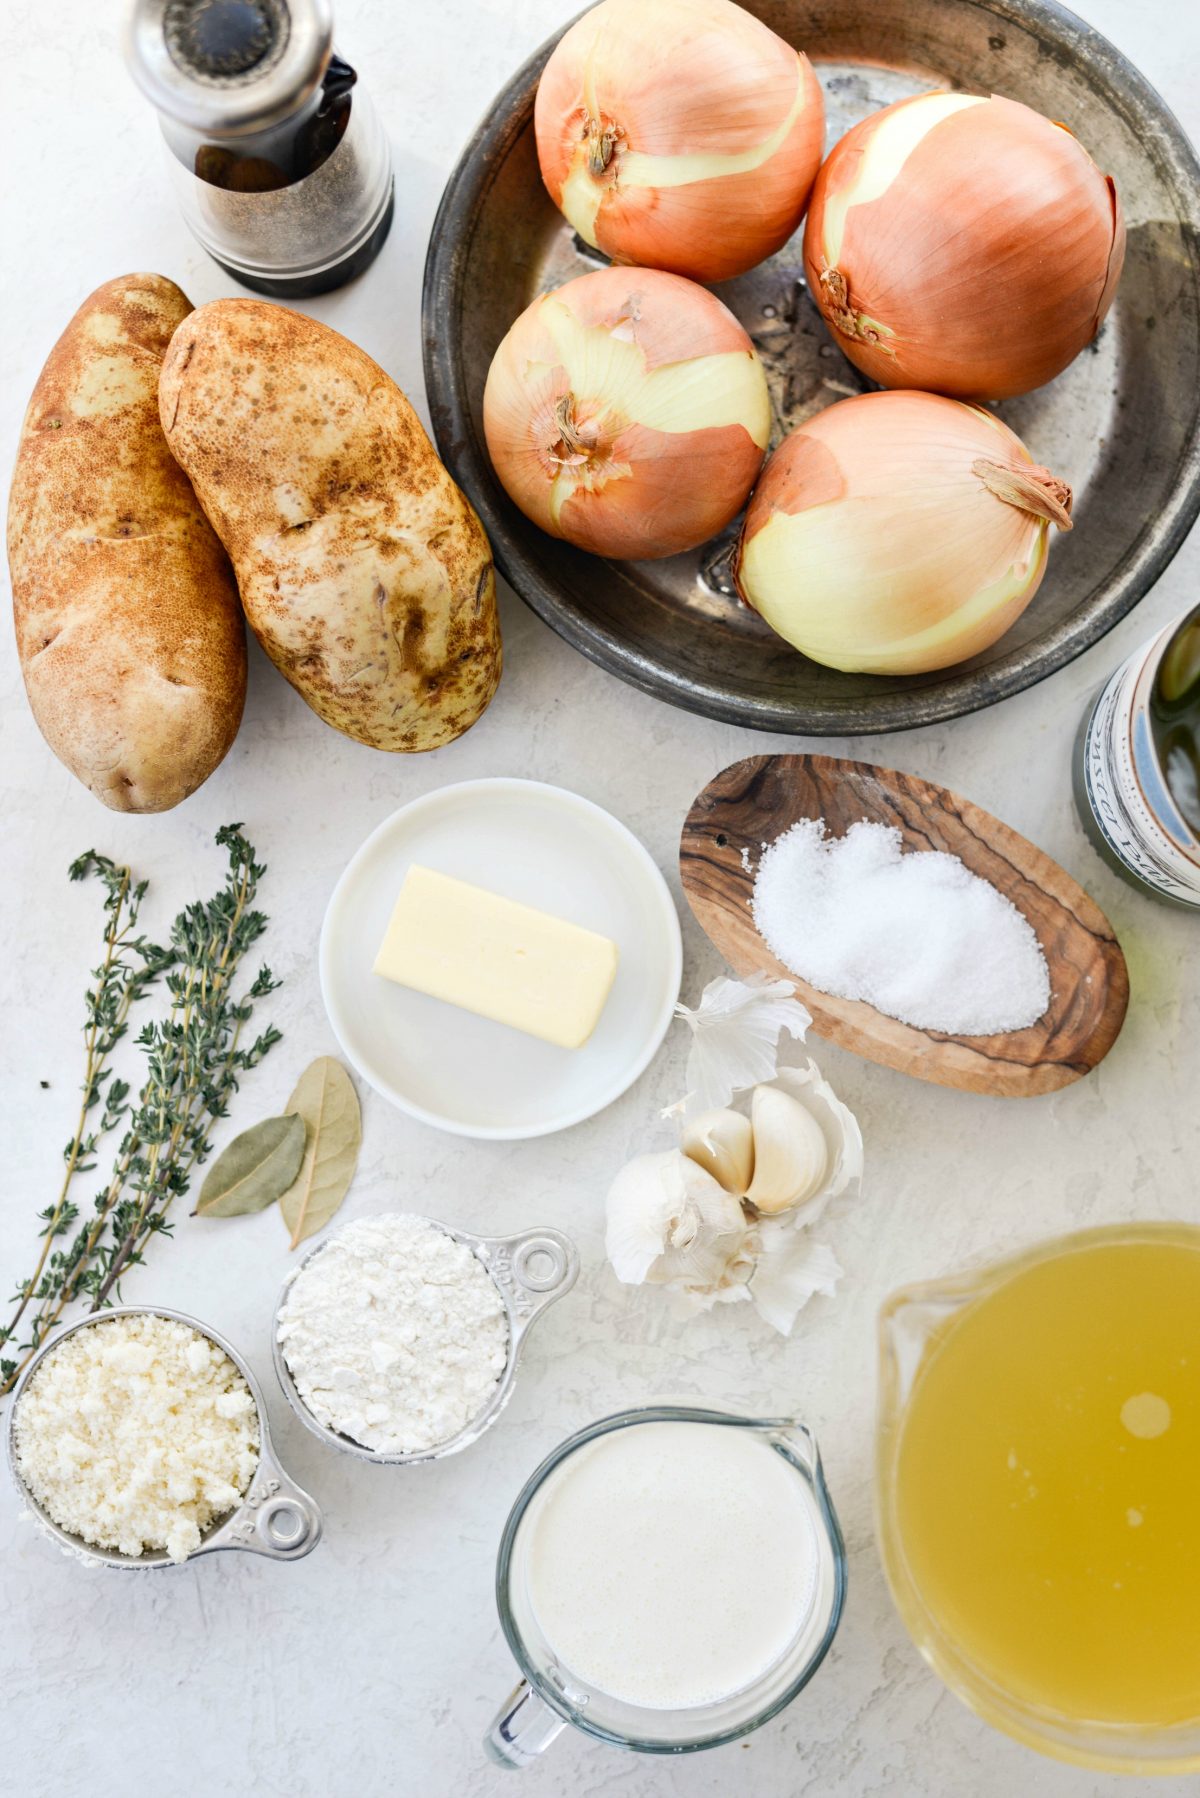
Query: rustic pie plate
pixel 1122 424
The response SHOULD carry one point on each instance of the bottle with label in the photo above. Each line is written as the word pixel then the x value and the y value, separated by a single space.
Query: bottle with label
pixel 1137 766
pixel 278 159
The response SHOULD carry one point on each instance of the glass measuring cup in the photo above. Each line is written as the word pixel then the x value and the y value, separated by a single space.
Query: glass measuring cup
pixel 916 1325
pixel 550 1695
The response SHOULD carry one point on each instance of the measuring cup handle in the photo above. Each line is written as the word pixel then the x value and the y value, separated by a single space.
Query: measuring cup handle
pixel 535 1268
pixel 277 1518
pixel 523 1728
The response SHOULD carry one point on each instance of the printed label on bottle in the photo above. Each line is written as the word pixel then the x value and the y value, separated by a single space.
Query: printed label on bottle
pixel 1121 773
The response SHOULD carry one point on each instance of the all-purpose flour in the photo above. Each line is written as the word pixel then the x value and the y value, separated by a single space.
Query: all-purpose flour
pixel 395 1334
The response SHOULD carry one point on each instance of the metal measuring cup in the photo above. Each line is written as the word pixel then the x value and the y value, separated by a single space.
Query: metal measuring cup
pixel 275 1517
pixel 530 1270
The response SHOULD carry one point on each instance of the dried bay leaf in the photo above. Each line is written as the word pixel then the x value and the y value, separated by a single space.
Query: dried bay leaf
pixel 254 1170
pixel 326 1100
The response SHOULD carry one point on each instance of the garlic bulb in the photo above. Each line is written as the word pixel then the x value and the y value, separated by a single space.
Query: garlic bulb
pixel 722 1142
pixel 791 1156
pixel 671 1224
pixel 721 1218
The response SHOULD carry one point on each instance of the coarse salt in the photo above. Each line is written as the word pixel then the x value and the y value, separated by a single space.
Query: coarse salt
pixel 917 935
pixel 395 1334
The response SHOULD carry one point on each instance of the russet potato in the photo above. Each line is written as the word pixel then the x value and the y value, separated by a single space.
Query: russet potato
pixel 129 630
pixel 363 570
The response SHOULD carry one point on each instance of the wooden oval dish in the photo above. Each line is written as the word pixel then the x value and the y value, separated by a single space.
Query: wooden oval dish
pixel 751 803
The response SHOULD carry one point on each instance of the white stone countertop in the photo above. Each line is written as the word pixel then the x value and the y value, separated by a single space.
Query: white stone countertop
pixel 374 1666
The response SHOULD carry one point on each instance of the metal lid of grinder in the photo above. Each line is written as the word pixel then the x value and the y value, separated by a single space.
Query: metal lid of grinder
pixel 225 67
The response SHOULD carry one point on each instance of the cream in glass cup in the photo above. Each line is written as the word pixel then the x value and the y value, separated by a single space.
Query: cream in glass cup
pixel 669 1579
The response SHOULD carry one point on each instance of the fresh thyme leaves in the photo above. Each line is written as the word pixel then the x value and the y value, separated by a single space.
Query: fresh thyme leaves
pixel 129 966
pixel 194 1056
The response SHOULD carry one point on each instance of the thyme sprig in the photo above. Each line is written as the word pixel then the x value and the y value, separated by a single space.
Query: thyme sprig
pixel 130 965
pixel 194 1057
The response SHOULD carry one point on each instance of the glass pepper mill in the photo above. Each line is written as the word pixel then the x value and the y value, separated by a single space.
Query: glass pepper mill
pixel 278 158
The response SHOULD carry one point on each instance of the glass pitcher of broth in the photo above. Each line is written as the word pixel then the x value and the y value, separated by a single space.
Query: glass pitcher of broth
pixel 1038 1459
pixel 668 1579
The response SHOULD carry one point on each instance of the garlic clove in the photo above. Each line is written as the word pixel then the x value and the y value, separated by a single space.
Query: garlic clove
pixel 806 1084
pixel 722 1142
pixel 791 1155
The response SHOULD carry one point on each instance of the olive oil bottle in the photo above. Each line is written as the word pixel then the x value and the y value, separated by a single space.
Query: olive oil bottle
pixel 1175 718
pixel 1137 766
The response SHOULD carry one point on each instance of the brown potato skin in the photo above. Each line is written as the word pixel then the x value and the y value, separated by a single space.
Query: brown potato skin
pixel 129 630
pixel 363 570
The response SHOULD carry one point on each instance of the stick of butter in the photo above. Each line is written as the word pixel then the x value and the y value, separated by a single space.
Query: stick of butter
pixel 499 959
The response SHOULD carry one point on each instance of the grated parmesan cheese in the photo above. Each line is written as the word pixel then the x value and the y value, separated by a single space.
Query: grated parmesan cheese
pixel 137 1433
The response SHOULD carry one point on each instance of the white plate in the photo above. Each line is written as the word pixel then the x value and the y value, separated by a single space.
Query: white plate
pixel 547 848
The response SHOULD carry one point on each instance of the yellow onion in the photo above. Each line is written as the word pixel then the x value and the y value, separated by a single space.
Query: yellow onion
pixel 895 533
pixel 679 134
pixel 964 245
pixel 628 413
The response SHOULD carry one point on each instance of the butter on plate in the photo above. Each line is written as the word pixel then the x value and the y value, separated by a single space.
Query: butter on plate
pixel 497 958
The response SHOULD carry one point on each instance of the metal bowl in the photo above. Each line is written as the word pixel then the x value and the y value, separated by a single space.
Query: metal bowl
pixel 276 1517
pixel 1122 424
pixel 530 1271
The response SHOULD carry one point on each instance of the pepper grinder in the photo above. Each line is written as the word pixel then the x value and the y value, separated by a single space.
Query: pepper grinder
pixel 277 156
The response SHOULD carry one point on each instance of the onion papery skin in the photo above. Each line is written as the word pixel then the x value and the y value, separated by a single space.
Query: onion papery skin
pixel 627 412
pixel 873 545
pixel 711 126
pixel 963 245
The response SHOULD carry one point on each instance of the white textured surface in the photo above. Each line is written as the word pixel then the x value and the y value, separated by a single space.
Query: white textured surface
pixel 374 1666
